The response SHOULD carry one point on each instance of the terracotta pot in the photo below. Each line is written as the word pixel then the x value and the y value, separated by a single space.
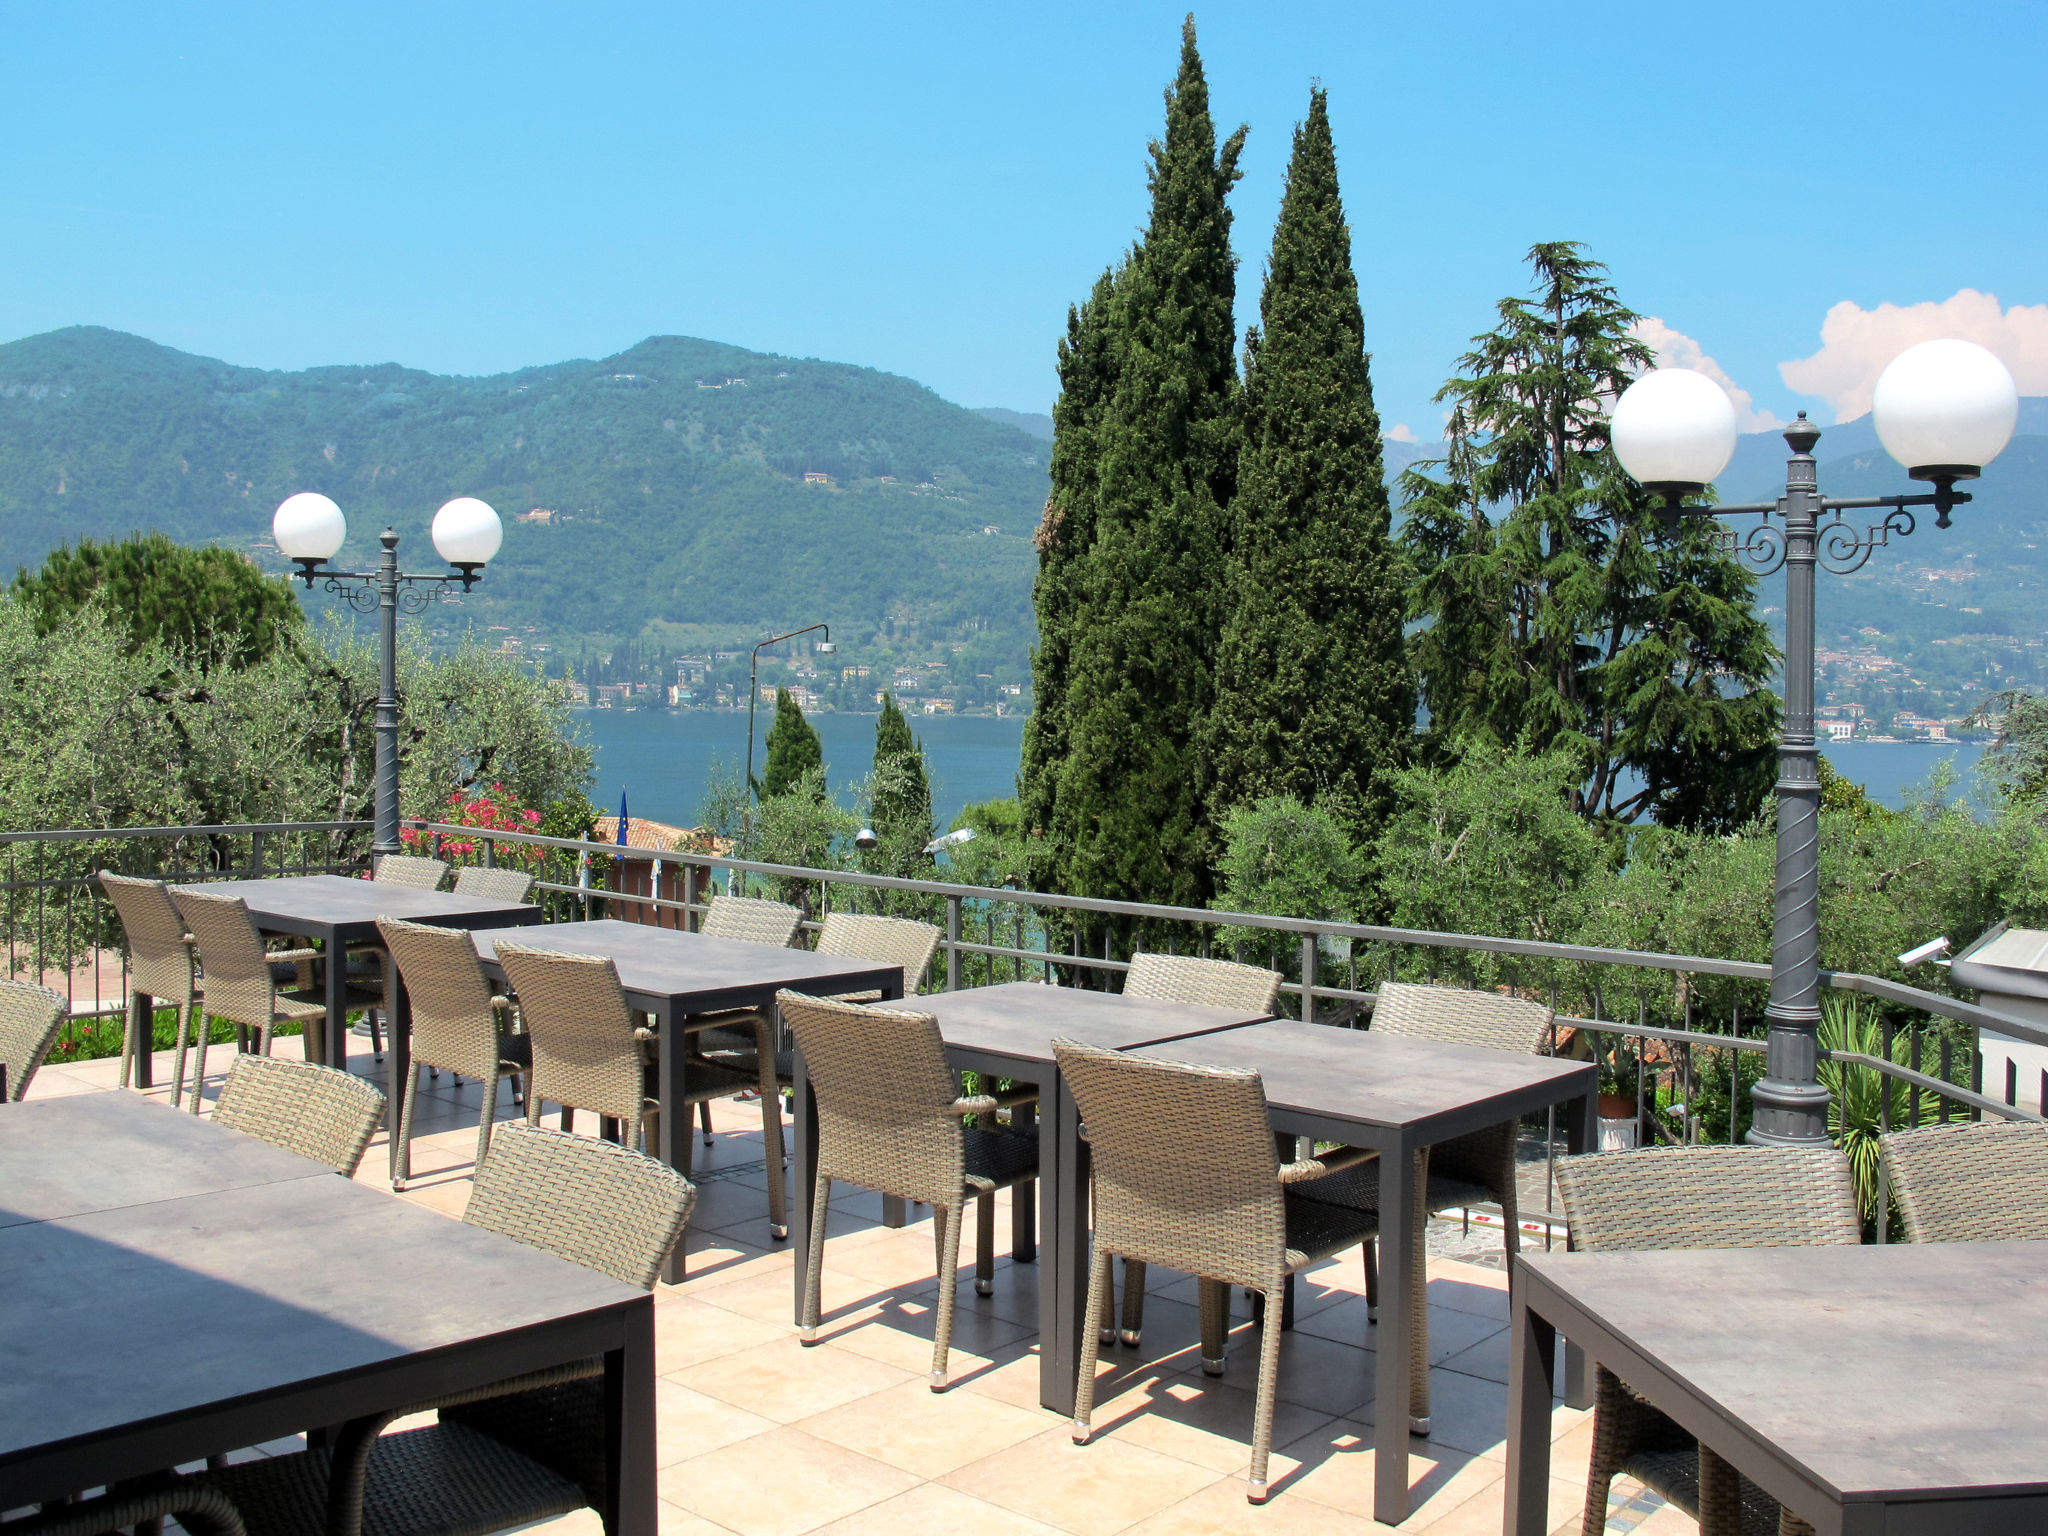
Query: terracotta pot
pixel 1617 1106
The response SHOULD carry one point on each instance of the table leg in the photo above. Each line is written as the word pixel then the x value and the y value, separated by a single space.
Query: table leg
pixel 142 1020
pixel 398 1048
pixel 1063 1266
pixel 329 1044
pixel 1532 1352
pixel 633 1509
pixel 1582 1134
pixel 1399 1229
pixel 803 1173
pixel 1023 1214
pixel 673 1139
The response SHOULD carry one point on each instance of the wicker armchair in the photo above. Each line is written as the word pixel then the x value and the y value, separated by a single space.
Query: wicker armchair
pixel 410 869
pixel 493 884
pixel 584 1040
pixel 1206 983
pixel 890 1119
pixel 1970 1183
pixel 891 939
pixel 1186 1176
pixel 1696 1197
pixel 516 1451
pixel 318 1112
pixel 200 1510
pixel 238 982
pixel 30 1017
pixel 159 963
pixel 751 920
pixel 457 1022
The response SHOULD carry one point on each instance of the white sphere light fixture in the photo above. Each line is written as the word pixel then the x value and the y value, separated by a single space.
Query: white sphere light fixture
pixel 467 532
pixel 1944 409
pixel 308 527
pixel 1674 430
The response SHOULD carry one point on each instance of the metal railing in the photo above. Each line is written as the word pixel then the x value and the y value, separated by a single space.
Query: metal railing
pixel 1672 1032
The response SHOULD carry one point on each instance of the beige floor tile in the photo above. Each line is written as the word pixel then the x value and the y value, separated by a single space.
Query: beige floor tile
pixel 786 1382
pixel 688 1332
pixel 781 1483
pixel 933 1509
pixel 925 1432
pixel 1336 1465
pixel 1011 1377
pixel 1195 1418
pixel 1221 1509
pixel 1091 1490
pixel 769 1295
pixel 899 1333
pixel 1468 1413
pixel 689 1423
pixel 677 1521
pixel 1483 1514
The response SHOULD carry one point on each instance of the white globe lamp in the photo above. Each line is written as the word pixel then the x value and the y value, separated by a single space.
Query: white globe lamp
pixel 1945 409
pixel 308 528
pixel 1674 431
pixel 467 533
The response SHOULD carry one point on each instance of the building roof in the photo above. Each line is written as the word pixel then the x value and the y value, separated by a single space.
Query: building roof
pixel 659 836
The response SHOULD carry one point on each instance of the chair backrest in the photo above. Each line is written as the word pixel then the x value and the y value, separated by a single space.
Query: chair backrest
pixel 1462 1016
pixel 492 884
pixel 592 1202
pixel 1709 1197
pixel 1191 979
pixel 1186 1174
pixel 30 1017
pixel 891 940
pixel 159 959
pixel 1970 1183
pixel 237 975
pixel 584 1052
pixel 411 869
pixel 454 1025
pixel 884 1094
pixel 752 919
pixel 318 1112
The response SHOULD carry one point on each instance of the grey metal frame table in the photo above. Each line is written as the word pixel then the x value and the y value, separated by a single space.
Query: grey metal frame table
pixel 670 973
pixel 1007 1031
pixel 171 1289
pixel 1870 1390
pixel 1396 1095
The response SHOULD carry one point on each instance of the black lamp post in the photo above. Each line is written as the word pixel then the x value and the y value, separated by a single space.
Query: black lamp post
pixel 1943 409
pixel 309 529
pixel 824 648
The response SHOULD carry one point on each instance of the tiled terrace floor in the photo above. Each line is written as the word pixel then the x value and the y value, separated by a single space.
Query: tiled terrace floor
pixel 761 1437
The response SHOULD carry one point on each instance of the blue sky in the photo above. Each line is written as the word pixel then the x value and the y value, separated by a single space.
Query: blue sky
pixel 925 189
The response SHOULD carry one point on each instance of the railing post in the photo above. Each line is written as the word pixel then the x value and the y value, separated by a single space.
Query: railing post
pixel 1308 978
pixel 490 853
pixel 952 943
pixel 255 855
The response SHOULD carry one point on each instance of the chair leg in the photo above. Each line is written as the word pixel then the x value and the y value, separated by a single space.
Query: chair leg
pixel 985 1244
pixel 1607 1450
pixel 814 1267
pixel 483 1123
pixel 1215 1299
pixel 1100 1299
pixel 704 1119
pixel 949 1220
pixel 1372 1280
pixel 129 1026
pixel 376 1034
pixel 1134 1302
pixel 1720 1496
pixel 178 1072
pixel 199 1059
pixel 771 1129
pixel 405 1108
pixel 1269 1381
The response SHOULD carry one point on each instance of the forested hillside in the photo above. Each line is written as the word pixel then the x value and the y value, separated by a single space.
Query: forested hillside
pixel 673 477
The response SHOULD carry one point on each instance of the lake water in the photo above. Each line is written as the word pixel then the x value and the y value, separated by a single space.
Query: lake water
pixel 663 758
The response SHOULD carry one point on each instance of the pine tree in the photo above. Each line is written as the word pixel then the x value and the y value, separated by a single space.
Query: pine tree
pixel 793 748
pixel 901 809
pixel 1313 698
pixel 1129 817
pixel 1557 611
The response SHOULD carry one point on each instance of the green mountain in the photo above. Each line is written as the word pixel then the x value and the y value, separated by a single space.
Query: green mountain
pixel 681 480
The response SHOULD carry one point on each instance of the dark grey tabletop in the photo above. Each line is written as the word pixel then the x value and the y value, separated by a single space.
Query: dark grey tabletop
pixel 1903 1370
pixel 1020 1018
pixel 700 975
pixel 336 901
pixel 1381 1079
pixel 218 1298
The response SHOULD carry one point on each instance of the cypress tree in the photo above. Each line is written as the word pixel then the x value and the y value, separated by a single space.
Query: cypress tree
pixel 902 804
pixel 1313 698
pixel 1129 815
pixel 793 748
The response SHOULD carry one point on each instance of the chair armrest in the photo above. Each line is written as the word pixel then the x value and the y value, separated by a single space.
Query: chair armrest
pixel 989 1103
pixel 286 956
pixel 1323 1164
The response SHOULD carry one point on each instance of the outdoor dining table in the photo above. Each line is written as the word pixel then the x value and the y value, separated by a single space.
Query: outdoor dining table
pixel 671 973
pixel 171 1289
pixel 1882 1389
pixel 1396 1095
pixel 1007 1031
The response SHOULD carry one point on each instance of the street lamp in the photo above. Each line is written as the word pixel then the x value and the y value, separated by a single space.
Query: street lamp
pixel 824 647
pixel 1943 409
pixel 309 529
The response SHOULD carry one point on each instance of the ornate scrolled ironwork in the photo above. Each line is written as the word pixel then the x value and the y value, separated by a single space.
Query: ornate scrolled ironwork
pixel 1761 549
pixel 1845 549
pixel 415 593
pixel 359 595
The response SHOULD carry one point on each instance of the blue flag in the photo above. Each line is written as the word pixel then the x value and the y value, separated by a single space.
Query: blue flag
pixel 623 822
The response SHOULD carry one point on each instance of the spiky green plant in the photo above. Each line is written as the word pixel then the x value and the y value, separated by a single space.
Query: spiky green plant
pixel 1864 1102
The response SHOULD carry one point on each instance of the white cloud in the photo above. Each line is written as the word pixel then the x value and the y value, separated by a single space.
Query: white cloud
pixel 1675 349
pixel 1401 432
pixel 1856 343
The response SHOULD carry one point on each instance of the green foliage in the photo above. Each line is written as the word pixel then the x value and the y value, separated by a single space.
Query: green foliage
pixel 1287 859
pixel 1863 1103
pixel 210 604
pixel 900 800
pixel 802 826
pixel 1554 609
pixel 2018 759
pixel 1128 817
pixel 793 749
pixel 1313 695
pixel 999 855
